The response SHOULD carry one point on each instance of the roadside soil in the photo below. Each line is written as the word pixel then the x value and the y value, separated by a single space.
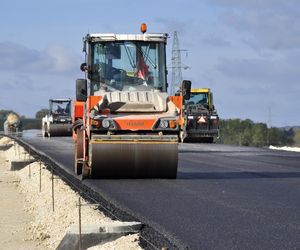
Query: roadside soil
pixel 13 219
pixel 27 220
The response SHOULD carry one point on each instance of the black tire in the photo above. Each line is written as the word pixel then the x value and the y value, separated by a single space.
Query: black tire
pixel 209 140
pixel 45 130
pixel 77 125
pixel 86 173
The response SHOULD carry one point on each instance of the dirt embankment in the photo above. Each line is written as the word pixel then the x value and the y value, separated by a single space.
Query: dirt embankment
pixel 27 220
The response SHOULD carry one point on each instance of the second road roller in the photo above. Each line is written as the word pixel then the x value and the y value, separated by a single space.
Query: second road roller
pixel 58 122
pixel 125 123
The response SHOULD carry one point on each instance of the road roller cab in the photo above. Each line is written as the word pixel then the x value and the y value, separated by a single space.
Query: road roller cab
pixel 130 126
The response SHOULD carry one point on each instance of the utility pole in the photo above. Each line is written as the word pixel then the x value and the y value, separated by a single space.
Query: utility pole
pixel 176 65
pixel 269 123
pixel 270 116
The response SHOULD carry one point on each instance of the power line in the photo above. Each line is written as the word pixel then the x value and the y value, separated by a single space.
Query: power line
pixel 176 65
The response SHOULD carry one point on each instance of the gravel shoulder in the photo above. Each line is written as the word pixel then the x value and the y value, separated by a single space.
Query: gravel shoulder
pixel 27 220
pixel 14 219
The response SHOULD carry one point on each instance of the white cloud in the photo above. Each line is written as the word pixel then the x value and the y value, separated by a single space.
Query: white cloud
pixel 265 24
pixel 275 72
pixel 31 77
pixel 56 59
pixel 215 40
pixel 27 93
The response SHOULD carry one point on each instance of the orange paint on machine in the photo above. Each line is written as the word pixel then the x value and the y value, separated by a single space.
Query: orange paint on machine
pixel 78 110
pixel 135 124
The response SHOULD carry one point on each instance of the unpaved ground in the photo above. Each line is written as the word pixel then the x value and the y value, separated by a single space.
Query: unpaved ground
pixel 28 212
pixel 13 219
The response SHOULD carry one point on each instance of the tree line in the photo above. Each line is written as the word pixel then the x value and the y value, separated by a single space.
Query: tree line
pixel 232 131
pixel 248 133
pixel 39 114
pixel 27 123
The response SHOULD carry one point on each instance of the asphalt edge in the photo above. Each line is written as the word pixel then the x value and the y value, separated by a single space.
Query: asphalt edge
pixel 158 238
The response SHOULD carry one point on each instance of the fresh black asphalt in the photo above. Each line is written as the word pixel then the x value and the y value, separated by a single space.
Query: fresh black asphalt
pixel 225 197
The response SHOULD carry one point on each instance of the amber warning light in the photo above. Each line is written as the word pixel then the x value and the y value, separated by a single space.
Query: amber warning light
pixel 143 28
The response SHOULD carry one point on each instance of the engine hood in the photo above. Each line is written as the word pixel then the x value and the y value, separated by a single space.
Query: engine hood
pixel 134 101
pixel 198 109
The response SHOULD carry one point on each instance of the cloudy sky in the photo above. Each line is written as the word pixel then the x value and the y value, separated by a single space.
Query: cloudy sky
pixel 246 51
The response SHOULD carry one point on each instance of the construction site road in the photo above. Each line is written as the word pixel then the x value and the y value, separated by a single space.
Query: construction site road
pixel 224 197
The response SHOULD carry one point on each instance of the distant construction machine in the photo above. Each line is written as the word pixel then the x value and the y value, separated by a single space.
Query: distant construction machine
pixel 125 124
pixel 12 124
pixel 58 122
pixel 201 118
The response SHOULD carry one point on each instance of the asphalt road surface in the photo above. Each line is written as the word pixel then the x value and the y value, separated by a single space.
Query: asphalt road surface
pixel 225 197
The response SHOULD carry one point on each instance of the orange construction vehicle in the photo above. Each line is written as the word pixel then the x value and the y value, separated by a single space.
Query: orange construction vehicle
pixel 125 124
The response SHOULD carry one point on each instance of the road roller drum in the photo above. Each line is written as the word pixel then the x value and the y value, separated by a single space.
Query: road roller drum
pixel 133 157
pixel 60 129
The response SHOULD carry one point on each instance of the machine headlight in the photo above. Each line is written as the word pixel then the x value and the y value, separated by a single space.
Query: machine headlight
pixel 166 123
pixel 163 123
pixel 105 123
pixel 108 123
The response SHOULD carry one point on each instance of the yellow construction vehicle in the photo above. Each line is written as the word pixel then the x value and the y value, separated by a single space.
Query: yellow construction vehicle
pixel 125 124
pixel 201 118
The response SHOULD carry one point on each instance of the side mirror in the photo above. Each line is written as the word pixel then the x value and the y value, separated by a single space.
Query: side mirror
pixel 186 89
pixel 81 90
pixel 84 46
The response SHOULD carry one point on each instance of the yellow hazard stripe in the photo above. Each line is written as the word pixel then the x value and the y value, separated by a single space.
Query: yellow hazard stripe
pixel 200 90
